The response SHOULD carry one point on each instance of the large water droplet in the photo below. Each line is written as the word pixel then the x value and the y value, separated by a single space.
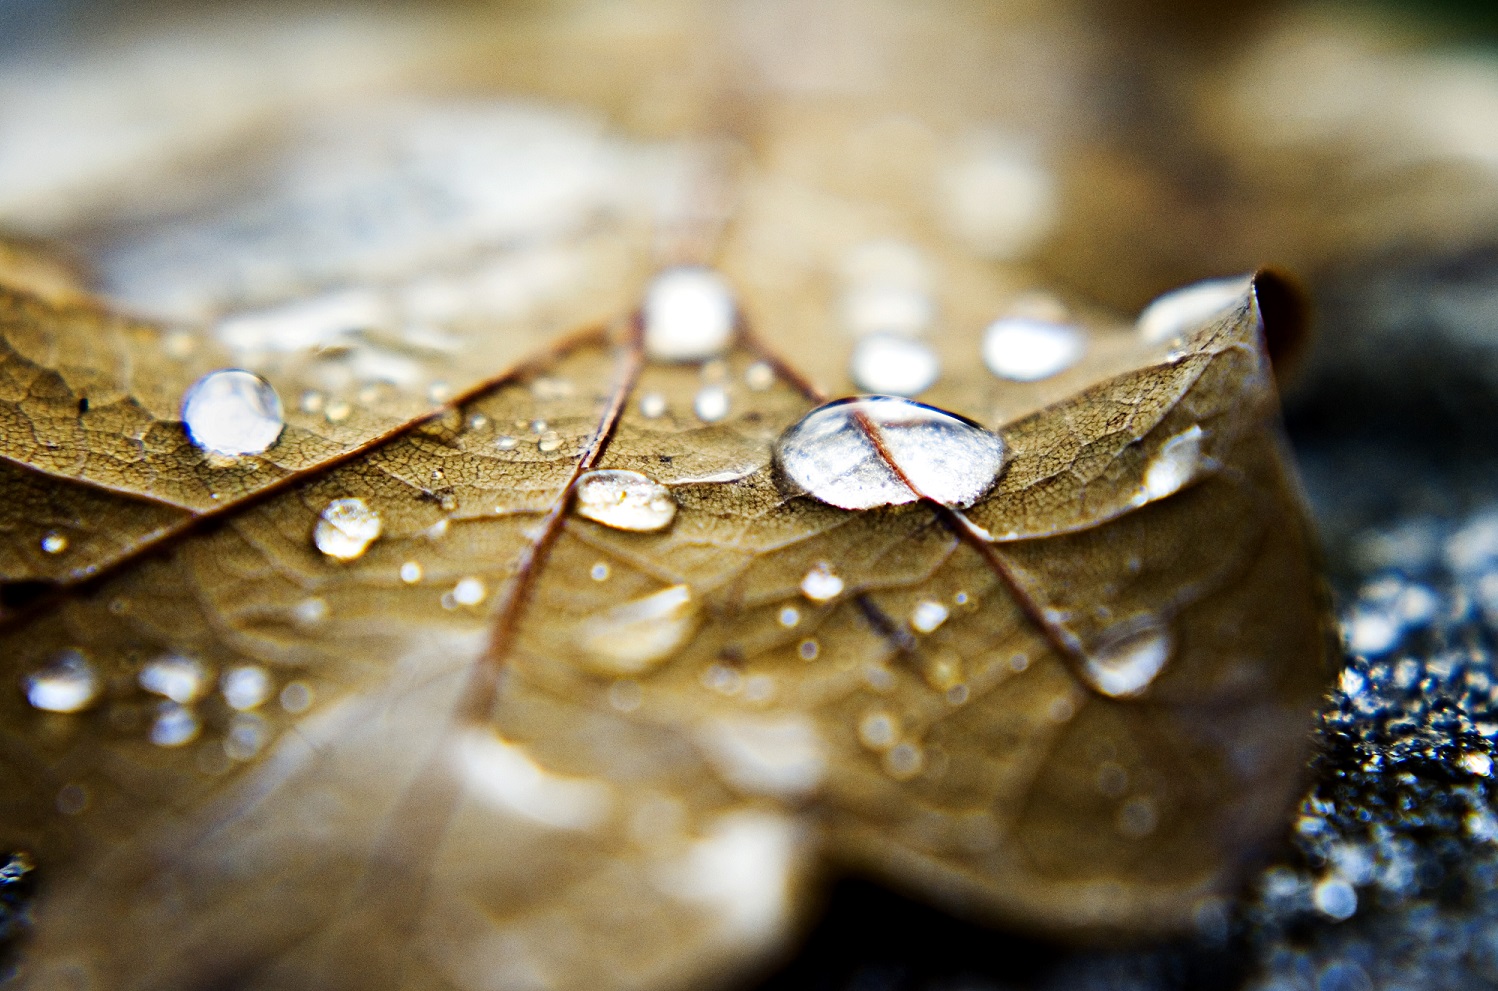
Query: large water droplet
pixel 346 528
pixel 1177 463
pixel 689 315
pixel 834 454
pixel 232 412
pixel 1189 307
pixel 180 679
pixel 1127 663
pixel 67 684
pixel 624 500
pixel 634 637
pixel 1023 349
pixel 896 366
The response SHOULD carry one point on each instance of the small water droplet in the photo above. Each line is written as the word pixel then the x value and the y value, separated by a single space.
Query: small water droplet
pixel 759 376
pixel 67 684
pixel 174 726
pixel 599 572
pixel 346 528
pixel 1189 307
pixel 536 426
pixel 180 679
pixel 877 730
pixel 310 610
pixel 711 403
pixel 1129 661
pixel 820 584
pixel 338 411
pixel 723 679
pixel 958 694
pixel 809 650
pixel 624 500
pixel 311 402
pixel 478 421
pixel 411 572
pixel 634 637
pixel 54 543
pixel 232 412
pixel 1477 763
pixel 469 592
pixel 789 616
pixel 830 455
pixel 438 530
pixel 893 365
pixel 1137 817
pixel 547 387
pixel 688 314
pixel 652 405
pixel 1023 349
pixel 1062 709
pixel 927 616
pixel 296 697
pixel 1019 662
pixel 245 687
pixel 904 761
pixel 1176 464
pixel 549 442
pixel 1335 898
pixel 439 392
pixel 506 443
pixel 245 738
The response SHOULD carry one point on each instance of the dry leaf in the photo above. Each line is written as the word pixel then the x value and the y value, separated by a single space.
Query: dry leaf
pixel 504 745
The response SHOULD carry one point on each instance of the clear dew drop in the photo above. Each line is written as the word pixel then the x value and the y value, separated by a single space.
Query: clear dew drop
pixel 689 314
pixel 819 584
pixel 311 610
pixel 505 442
pixel 809 650
pixel 245 687
pixel 829 454
pixel 599 572
pixel 624 500
pixel 634 637
pixel 711 404
pixel 411 572
pixel 232 412
pixel 1125 665
pixel 338 411
pixel 759 376
pixel 652 405
pixel 1177 463
pixel 789 616
pixel 67 684
pixel 1335 898
pixel 927 616
pixel 181 679
pixel 893 365
pixel 296 697
pixel 174 726
pixel 1023 349
pixel 904 761
pixel 54 543
pixel 469 592
pixel 1190 307
pixel 549 442
pixel 346 528
pixel 877 730
pixel 246 737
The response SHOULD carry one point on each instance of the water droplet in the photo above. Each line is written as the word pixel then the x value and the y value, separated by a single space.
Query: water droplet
pixel 820 584
pixel 478 421
pixel 469 592
pixel 789 616
pixel 652 405
pixel 1127 663
pixel 624 500
pixel 439 392
pixel 894 365
pixel 809 650
pixel 338 411
pixel 245 738
pixel 904 761
pixel 1027 350
pixel 689 314
pixel 506 443
pixel 830 455
pixel 174 726
pixel 759 376
pixel 1019 662
pixel 636 636
pixel 411 572
pixel 1137 817
pixel 711 403
pixel 311 402
pixel 180 679
pixel 245 687
pixel 1477 763
pixel 958 694
pixel 232 412
pixel 1175 465
pixel 346 528
pixel 54 543
pixel 599 572
pixel 296 697
pixel 1335 898
pixel 877 730
pixel 310 610
pixel 67 684
pixel 547 387
pixel 928 615
pixel 1189 307
pixel 549 442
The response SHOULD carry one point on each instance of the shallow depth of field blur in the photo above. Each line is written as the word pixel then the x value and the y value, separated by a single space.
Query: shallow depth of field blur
pixel 205 162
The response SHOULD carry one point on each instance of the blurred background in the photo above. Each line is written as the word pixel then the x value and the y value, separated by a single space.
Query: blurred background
pixel 398 174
